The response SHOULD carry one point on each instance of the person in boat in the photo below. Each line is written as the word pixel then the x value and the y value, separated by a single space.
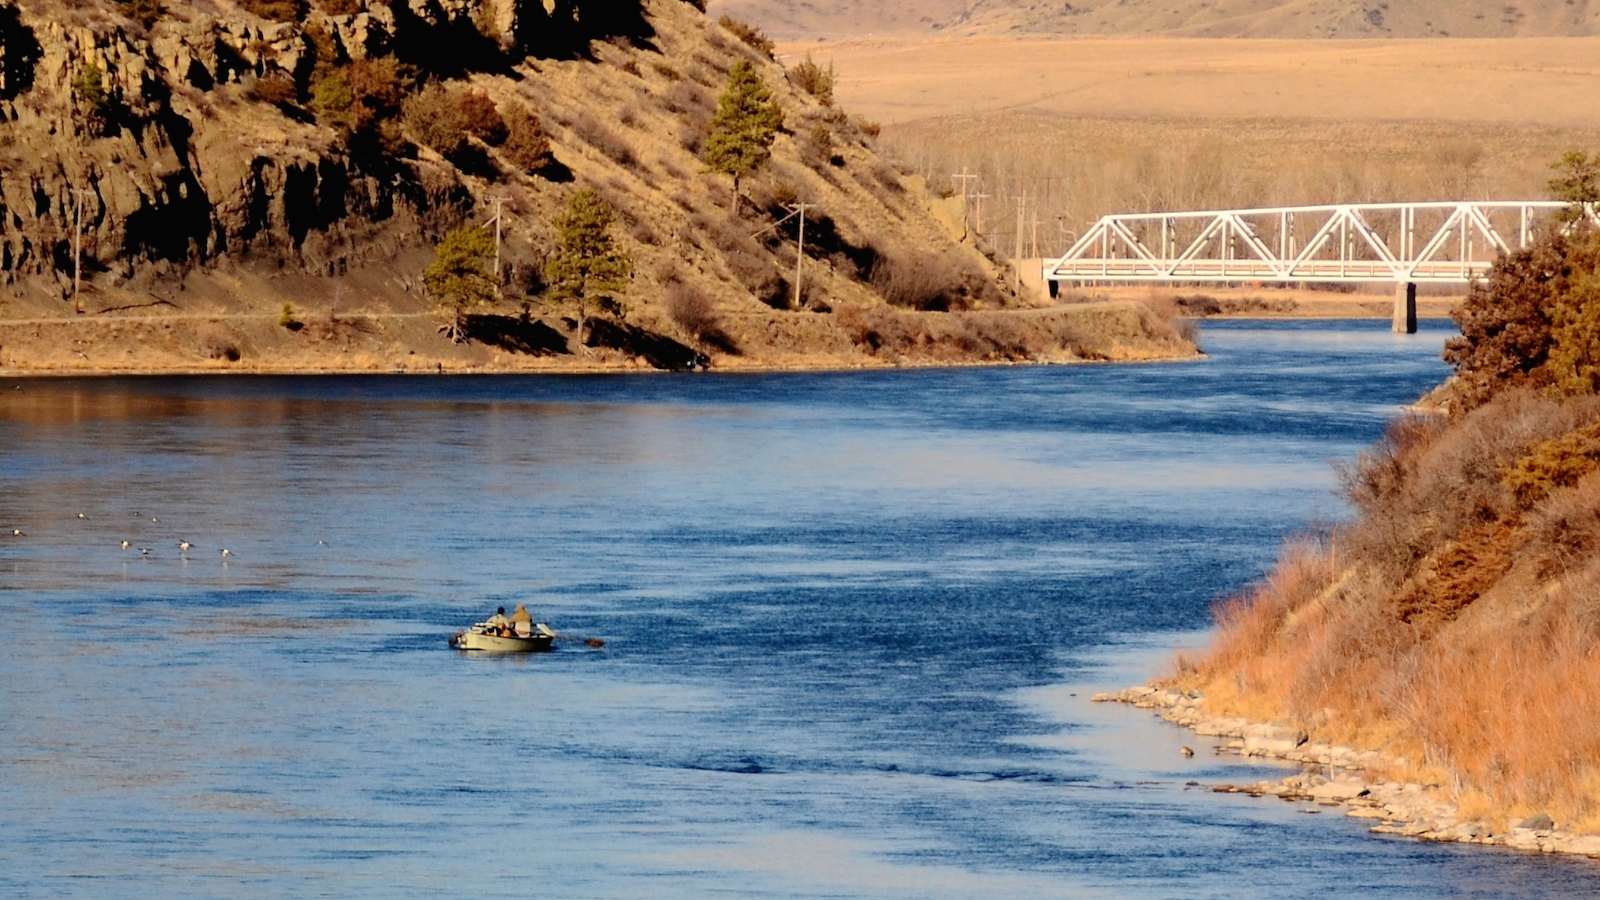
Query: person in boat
pixel 498 623
pixel 521 621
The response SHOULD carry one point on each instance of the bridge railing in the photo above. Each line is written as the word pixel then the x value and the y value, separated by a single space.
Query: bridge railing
pixel 1406 243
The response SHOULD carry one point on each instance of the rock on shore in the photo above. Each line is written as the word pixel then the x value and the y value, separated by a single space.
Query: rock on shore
pixel 1339 777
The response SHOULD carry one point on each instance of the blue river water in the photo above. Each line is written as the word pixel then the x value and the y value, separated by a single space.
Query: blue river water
pixel 851 621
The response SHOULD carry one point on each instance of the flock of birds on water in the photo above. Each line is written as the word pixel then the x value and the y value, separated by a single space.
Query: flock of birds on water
pixel 183 546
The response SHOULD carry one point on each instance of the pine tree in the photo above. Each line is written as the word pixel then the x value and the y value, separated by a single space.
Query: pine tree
pixel 459 280
pixel 742 131
pixel 587 260
pixel 1578 182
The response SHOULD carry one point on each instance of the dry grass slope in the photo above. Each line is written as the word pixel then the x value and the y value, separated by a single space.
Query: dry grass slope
pixel 1454 622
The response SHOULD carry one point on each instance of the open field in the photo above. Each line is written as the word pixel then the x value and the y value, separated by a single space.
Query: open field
pixel 1192 18
pixel 1545 81
pixel 1091 126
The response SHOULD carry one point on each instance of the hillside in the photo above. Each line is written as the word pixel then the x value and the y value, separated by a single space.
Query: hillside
pixel 1452 625
pixel 845 19
pixel 260 185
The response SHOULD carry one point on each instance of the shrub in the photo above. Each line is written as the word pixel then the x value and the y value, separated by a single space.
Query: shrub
pixel 274 91
pixel 887 331
pixel 94 102
pixel 1508 322
pixel 145 12
pixel 1505 323
pixel 814 80
pixel 1560 462
pixel 288 319
pixel 436 119
pixel 363 98
pixel 689 97
pixel 276 10
pixel 342 7
pixel 694 312
pixel 611 145
pixel 483 118
pixel 1575 334
pixel 817 148
pixel 749 34
pixel 926 283
pixel 666 71
pixel 215 343
pixel 526 146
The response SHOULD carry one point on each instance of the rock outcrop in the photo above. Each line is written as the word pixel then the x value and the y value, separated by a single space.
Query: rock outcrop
pixel 1335 776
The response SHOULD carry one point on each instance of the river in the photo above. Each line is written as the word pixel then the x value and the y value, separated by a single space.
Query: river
pixel 851 624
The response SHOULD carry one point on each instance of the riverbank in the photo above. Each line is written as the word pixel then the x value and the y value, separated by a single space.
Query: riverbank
pixel 1365 784
pixel 1213 302
pixel 330 341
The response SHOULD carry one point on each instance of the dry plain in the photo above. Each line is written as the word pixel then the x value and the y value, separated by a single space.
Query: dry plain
pixel 1187 18
pixel 1087 126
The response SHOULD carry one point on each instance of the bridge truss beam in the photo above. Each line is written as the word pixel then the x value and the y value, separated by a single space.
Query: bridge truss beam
pixel 1403 243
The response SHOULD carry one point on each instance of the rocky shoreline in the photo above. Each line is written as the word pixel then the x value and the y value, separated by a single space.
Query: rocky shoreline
pixel 1340 777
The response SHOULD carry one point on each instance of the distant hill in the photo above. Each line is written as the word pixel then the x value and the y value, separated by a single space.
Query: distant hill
pixel 835 19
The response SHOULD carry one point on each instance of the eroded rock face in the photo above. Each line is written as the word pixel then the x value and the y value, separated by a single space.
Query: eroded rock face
pixel 151 145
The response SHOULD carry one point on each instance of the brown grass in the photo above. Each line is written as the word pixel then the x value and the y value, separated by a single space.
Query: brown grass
pixel 1453 622
pixel 589 129
pixel 994 336
pixel 1093 126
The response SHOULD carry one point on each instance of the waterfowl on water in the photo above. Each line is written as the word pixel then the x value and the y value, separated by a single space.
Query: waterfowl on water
pixel 226 552
pixel 82 516
pixel 184 546
pixel 17 532
pixel 126 545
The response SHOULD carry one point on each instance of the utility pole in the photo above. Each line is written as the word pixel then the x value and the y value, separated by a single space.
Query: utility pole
pixel 965 209
pixel 799 209
pixel 497 204
pixel 977 226
pixel 1016 258
pixel 1022 202
pixel 1035 253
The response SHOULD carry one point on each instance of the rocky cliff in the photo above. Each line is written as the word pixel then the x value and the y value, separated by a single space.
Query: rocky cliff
pixel 172 175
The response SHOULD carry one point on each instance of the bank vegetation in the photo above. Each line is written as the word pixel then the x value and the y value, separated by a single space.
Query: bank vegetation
pixel 1454 624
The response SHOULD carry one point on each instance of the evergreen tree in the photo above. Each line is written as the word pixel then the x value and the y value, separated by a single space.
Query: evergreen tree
pixel 459 279
pixel 744 127
pixel 587 260
pixel 1578 182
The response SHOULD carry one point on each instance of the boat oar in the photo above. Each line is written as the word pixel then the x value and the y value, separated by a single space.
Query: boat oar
pixel 592 642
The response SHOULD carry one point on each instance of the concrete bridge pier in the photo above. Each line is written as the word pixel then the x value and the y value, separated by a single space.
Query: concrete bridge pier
pixel 1405 308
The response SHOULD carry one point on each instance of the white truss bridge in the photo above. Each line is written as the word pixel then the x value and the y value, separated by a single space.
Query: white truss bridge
pixel 1399 243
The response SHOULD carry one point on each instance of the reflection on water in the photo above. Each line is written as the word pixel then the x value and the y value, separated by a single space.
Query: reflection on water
pixel 851 623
